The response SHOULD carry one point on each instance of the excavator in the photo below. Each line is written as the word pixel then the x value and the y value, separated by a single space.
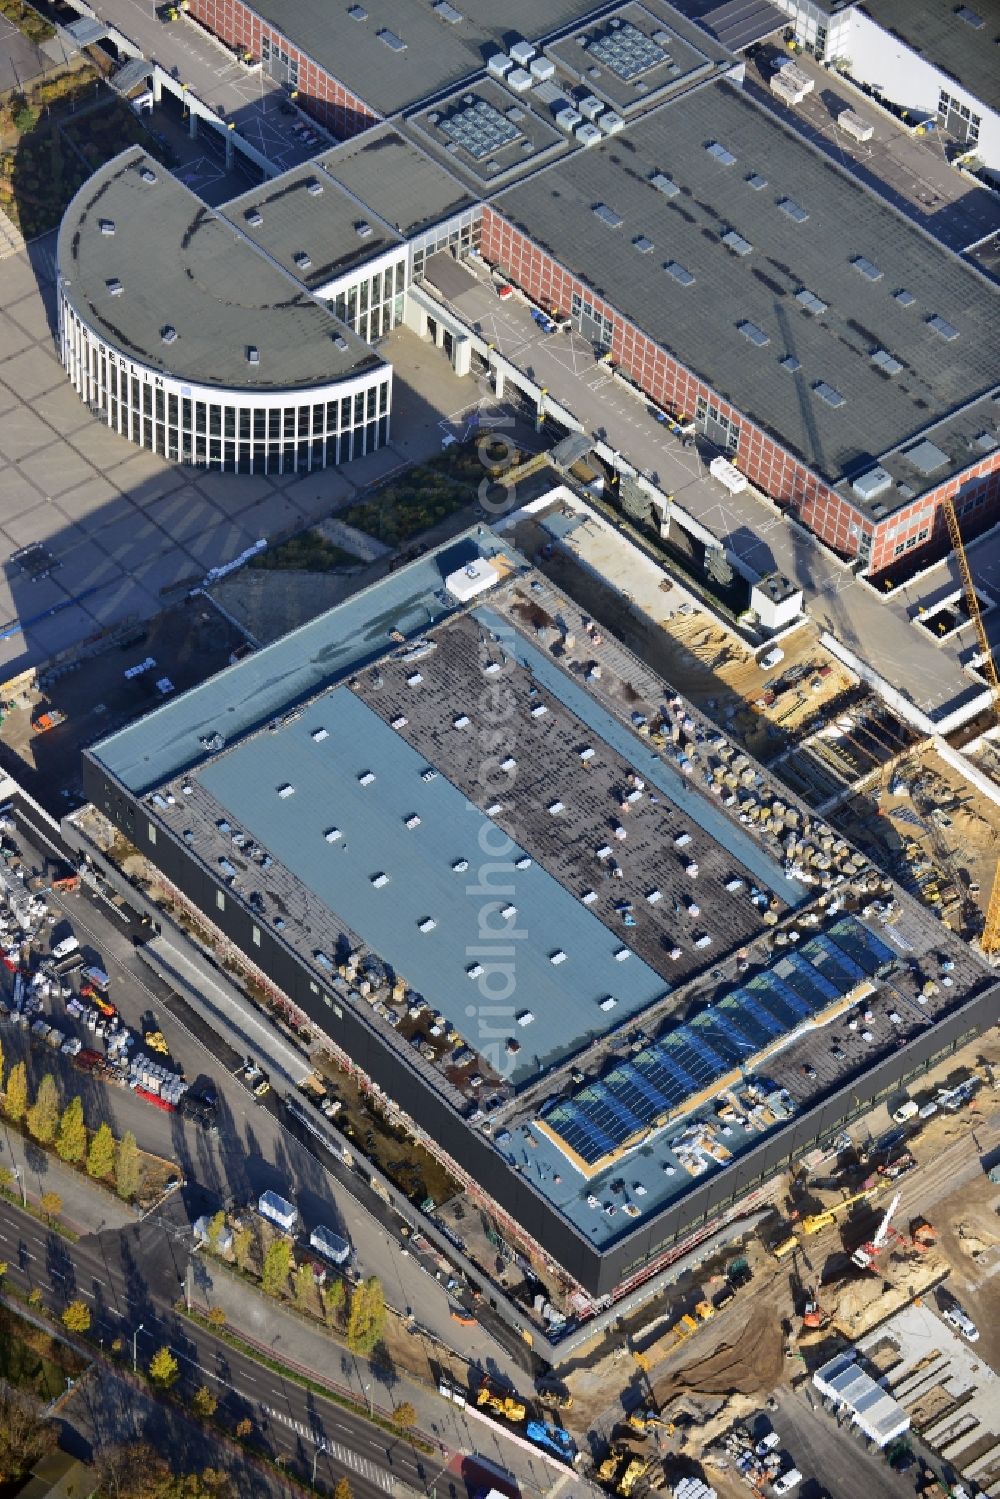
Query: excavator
pixel 813 1316
pixel 813 1223
pixel 508 1406
pixel 643 1422
pixel 923 1235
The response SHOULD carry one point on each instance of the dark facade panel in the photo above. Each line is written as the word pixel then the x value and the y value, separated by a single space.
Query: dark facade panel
pixel 598 1273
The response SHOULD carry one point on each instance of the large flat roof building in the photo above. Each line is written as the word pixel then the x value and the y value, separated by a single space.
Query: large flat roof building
pixel 582 942
pixel 608 161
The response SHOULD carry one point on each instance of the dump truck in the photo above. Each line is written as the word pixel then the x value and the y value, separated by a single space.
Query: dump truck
pixel 278 1210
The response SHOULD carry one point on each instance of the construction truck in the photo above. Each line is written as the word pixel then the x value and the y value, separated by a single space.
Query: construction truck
pixel 50 719
pixel 813 1223
pixel 508 1406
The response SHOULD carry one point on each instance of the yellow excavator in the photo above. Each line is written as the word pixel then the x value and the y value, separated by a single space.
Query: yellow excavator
pixel 507 1406
pixel 636 1468
pixel 814 1222
pixel 642 1422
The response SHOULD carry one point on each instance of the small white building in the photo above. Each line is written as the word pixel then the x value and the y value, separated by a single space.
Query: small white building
pixel 776 601
pixel 872 1409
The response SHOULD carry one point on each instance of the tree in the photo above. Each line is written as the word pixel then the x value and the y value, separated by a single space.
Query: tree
pixel 216 1316
pixel 35 1296
pixel 42 1118
pixel 163 1368
pixel 214 1229
pixel 136 1470
pixel 76 1317
pixel 342 1489
pixel 304 1282
pixel 277 1264
pixel 242 1245
pixel 333 1303
pixel 101 1155
pixel 404 1416
pixel 71 1141
pixel 25 1434
pixel 15 1100
pixel 51 1204
pixel 7 1178
pixel 366 1316
pixel 1 1043
pixel 127 1167
pixel 26 119
pixel 203 1402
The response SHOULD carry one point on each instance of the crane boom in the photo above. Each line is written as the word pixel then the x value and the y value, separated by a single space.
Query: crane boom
pixel 883 1227
pixel 816 1221
pixel 990 940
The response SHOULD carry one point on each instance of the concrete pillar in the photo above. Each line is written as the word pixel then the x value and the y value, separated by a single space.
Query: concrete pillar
pixel 230 148
pixel 498 381
pixel 540 410
pixel 461 354
pixel 439 332
pixel 415 317
pixel 157 87
pixel 192 124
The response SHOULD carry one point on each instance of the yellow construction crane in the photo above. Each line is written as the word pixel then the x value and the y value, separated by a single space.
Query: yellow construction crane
pixel 990 941
pixel 816 1221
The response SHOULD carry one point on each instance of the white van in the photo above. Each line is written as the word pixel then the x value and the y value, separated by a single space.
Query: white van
pixel 65 947
pixel 963 1323
pixel 787 1482
pixel 905 1111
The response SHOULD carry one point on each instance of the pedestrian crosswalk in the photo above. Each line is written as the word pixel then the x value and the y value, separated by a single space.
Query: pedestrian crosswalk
pixel 365 1467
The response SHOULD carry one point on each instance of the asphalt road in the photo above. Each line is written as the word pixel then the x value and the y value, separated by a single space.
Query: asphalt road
pixel 130 1279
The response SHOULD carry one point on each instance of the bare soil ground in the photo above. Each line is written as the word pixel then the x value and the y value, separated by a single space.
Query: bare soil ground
pixel 751 1363
pixel 941 821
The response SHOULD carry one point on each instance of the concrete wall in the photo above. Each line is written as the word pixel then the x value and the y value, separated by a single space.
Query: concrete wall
pixel 882 60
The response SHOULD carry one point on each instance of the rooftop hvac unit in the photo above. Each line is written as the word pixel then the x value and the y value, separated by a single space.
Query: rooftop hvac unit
pixel 610 122
pixel 499 65
pixel 870 485
pixel 520 80
pixel 853 124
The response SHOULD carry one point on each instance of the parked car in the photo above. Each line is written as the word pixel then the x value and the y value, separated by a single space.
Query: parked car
pixel 962 1322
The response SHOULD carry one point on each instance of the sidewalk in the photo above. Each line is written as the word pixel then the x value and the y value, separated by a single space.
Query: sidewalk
pixel 87 1207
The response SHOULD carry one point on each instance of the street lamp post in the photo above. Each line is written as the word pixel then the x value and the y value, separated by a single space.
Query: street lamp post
pixel 135 1340
pixel 19 1178
pixel 368 1396
pixel 321 1447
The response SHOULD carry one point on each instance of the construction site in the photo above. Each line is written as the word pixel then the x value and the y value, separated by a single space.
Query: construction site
pixel 923 807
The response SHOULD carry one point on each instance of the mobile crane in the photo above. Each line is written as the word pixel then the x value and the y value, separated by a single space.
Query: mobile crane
pixel 814 1222
pixel 866 1254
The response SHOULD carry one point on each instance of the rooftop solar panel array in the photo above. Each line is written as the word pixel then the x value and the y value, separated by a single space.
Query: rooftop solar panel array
pixel 639 1093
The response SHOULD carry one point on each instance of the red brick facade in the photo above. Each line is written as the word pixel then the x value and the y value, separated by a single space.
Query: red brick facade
pixel 765 462
pixel 328 101
pixel 669 383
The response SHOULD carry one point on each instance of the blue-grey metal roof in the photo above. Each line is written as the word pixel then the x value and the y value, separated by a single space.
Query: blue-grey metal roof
pixel 171 739
pixel 564 998
pixel 636 752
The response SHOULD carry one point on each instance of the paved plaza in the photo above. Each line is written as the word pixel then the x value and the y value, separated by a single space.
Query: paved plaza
pixel 127 530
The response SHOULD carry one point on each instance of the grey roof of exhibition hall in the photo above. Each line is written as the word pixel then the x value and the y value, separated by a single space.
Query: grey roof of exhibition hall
pixel 959 39
pixel 140 256
pixel 716 224
pixel 269 683
pixel 390 53
pixel 397 180
pixel 305 221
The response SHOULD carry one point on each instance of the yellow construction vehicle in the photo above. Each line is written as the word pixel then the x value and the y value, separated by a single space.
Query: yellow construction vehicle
pixel 636 1468
pixel 609 1467
pixel 156 1042
pixel 704 1310
pixel 814 1222
pixel 685 1327
pixel 785 1247
pixel 643 1422
pixel 507 1406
